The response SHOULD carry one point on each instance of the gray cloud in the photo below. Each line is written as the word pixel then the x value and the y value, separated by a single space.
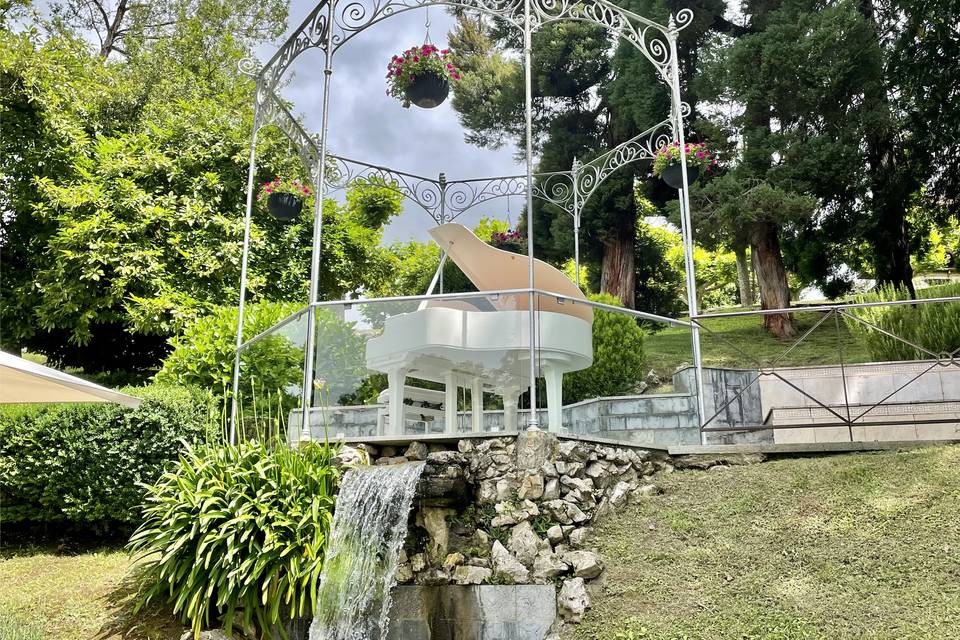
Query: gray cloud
pixel 368 125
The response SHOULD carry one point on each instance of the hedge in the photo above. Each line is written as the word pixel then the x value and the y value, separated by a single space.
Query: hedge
pixel 77 466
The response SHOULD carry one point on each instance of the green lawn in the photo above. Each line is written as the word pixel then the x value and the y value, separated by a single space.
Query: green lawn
pixel 851 546
pixel 45 596
pixel 742 342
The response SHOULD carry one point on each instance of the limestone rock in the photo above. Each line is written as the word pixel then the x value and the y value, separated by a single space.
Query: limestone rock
pixel 404 573
pixel 555 534
pixel 392 460
pixel 549 469
pixel 418 562
pixel 551 490
pixel 531 487
pixel 569 468
pixel 416 451
pixel 573 450
pixel 646 491
pixel 524 543
pixel 350 456
pixel 435 522
pixel 620 494
pixel 469 574
pixel 453 560
pixel 565 512
pixel 585 485
pixel 506 488
pixel 586 564
pixel 446 458
pixel 215 634
pixel 579 537
pixel 573 600
pixel 504 562
pixel 534 448
pixel 547 566
pixel 465 446
pixel 433 577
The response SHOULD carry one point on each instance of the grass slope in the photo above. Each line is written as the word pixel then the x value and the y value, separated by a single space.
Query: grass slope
pixel 852 546
pixel 74 597
pixel 742 343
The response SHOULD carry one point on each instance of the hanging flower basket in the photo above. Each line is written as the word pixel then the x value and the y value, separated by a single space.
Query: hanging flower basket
pixel 421 76
pixel 510 240
pixel 667 163
pixel 284 198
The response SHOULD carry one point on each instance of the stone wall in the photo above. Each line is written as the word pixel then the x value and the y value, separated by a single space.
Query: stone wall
pixel 517 511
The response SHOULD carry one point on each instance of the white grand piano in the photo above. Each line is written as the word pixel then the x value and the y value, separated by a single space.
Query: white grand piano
pixel 483 343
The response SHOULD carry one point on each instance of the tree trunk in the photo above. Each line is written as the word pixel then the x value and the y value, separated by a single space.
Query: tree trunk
pixel 743 276
pixel 890 185
pixel 772 280
pixel 617 273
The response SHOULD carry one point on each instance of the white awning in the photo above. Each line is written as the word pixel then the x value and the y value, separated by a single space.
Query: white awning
pixel 25 382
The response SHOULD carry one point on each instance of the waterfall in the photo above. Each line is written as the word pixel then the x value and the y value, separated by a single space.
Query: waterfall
pixel 369 526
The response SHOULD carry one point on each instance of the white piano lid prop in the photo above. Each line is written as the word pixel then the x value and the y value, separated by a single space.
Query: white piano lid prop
pixel 25 382
pixel 490 269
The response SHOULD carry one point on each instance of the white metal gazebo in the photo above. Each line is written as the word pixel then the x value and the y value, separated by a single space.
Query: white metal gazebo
pixel 333 24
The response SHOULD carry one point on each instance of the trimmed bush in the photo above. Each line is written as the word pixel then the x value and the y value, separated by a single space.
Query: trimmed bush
pixel 77 466
pixel 617 356
pixel 238 529
pixel 934 326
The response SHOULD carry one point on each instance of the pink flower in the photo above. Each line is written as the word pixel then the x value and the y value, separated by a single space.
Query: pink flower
pixel 700 154
pixel 445 51
pixel 449 66
pixel 416 58
pixel 456 76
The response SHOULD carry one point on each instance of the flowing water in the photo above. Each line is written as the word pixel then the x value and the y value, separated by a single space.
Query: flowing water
pixel 369 526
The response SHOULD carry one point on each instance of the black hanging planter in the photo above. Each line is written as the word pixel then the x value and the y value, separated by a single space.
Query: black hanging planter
pixel 284 206
pixel 428 90
pixel 673 175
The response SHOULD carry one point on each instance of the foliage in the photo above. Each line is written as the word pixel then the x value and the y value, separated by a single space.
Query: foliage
pixel 77 466
pixel 697 155
pixel 238 528
pixel 933 326
pixel 617 356
pixel 426 59
pixel 203 356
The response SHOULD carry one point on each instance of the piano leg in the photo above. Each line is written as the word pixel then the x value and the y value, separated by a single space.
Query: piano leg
pixel 554 380
pixel 450 388
pixel 476 405
pixel 510 398
pixel 396 379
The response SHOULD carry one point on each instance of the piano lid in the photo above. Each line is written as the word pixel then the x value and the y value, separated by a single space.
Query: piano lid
pixel 490 269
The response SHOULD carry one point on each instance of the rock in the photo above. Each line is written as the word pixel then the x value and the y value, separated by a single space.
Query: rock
pixel 569 468
pixel 586 564
pixel 471 575
pixel 214 634
pixel 505 563
pixel 555 534
pixel 705 461
pixel 547 566
pixel 418 562
pixel 572 450
pixel 487 492
pixel 524 543
pixel 573 600
pixel 640 388
pixel 435 522
pixel 417 451
pixel 392 460
pixel 645 491
pixel 350 456
pixel 603 509
pixel 535 448
pixel 531 486
pixel 584 485
pixel 549 469
pixel 652 379
pixel 436 447
pixel 597 470
pixel 579 537
pixel 620 494
pixel 506 487
pixel 719 467
pixel 388 452
pixel 551 490
pixel 453 560
pixel 564 512
pixel 446 458
pixel 465 446
pixel 404 573
pixel 434 577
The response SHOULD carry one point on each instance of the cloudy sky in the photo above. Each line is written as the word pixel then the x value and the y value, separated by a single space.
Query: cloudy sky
pixel 368 125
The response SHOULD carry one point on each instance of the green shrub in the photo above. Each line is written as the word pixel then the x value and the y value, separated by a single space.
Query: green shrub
pixel 203 356
pixel 617 356
pixel 78 465
pixel 934 326
pixel 238 529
